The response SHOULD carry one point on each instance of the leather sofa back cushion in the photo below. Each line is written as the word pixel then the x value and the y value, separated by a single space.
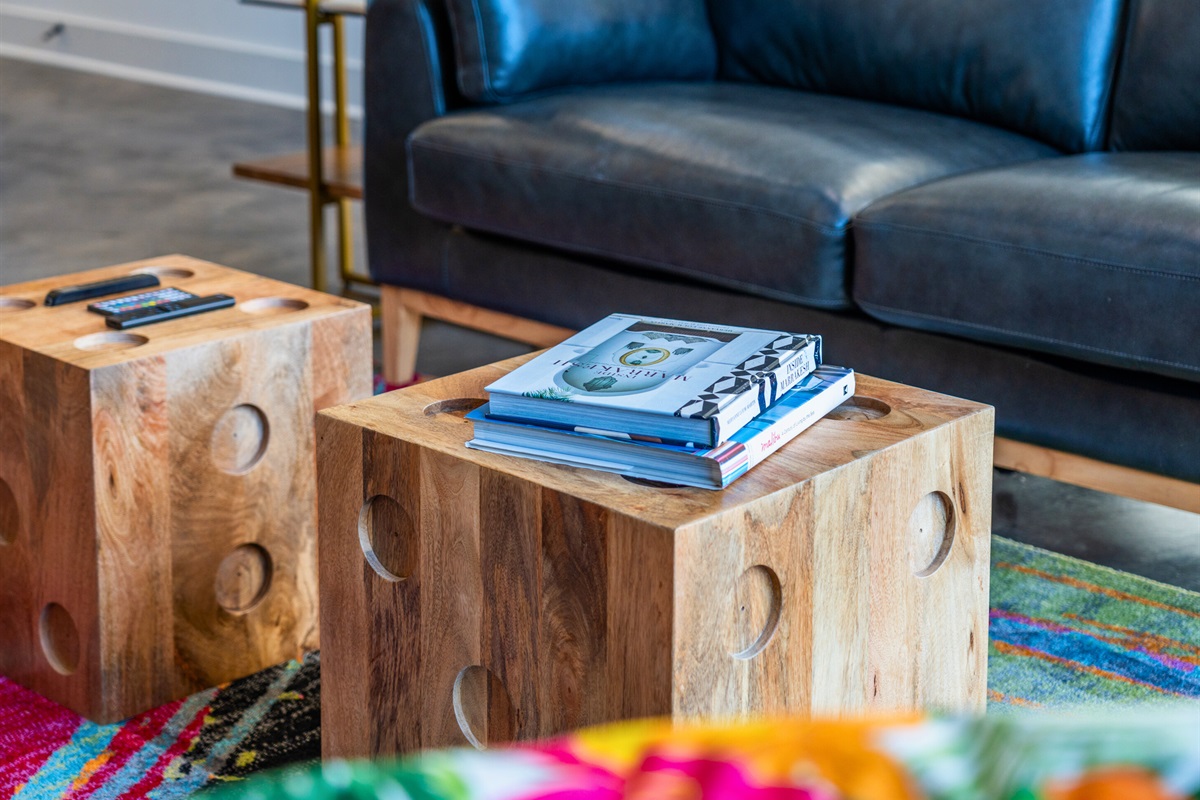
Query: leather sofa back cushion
pixel 1157 102
pixel 1040 67
pixel 510 48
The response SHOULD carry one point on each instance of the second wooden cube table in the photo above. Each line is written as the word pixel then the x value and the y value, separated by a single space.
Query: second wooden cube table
pixel 157 485
pixel 471 597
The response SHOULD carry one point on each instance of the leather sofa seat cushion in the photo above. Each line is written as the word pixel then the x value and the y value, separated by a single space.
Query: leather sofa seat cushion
pixel 507 49
pixel 1156 105
pixel 1042 68
pixel 741 186
pixel 1095 257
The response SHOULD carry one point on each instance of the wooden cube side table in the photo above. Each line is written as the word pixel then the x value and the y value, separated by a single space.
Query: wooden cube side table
pixel 158 486
pixel 472 597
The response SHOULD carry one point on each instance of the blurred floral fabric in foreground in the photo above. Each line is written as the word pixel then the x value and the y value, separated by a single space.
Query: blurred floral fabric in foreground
pixel 1148 754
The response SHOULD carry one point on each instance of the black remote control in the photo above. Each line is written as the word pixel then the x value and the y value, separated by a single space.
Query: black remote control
pixel 166 311
pixel 86 291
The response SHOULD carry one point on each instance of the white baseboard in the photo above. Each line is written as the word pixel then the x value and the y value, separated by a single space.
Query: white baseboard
pixel 177 59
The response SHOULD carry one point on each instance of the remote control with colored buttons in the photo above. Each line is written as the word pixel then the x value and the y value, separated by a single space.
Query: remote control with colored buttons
pixel 139 302
pixel 166 311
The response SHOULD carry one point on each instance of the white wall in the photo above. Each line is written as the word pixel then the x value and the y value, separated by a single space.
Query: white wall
pixel 216 46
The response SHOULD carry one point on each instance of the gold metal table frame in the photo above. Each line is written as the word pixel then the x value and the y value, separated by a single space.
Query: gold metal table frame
pixel 331 175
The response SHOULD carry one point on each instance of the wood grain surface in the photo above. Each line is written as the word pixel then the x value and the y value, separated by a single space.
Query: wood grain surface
pixel 166 492
pixel 131 457
pixel 848 572
pixel 57 331
pixel 452 601
pixel 345 620
pixel 49 621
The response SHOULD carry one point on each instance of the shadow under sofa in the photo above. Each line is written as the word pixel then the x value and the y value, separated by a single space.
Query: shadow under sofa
pixel 997 201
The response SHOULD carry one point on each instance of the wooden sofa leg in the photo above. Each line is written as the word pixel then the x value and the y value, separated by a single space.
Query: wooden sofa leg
pixel 401 333
pixel 402 310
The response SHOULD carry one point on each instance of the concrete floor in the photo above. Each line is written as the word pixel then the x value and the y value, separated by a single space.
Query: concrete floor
pixel 96 171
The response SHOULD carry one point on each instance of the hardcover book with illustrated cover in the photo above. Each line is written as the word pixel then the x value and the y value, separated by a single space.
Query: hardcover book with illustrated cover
pixel 682 382
pixel 707 468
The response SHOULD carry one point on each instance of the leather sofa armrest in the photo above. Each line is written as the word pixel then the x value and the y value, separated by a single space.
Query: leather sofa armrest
pixel 409 77
pixel 409 72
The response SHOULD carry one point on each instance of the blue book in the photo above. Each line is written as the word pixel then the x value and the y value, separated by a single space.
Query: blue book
pixel 669 379
pixel 638 456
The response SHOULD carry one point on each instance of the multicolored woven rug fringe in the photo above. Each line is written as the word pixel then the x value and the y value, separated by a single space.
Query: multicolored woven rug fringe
pixel 222 734
pixel 1063 633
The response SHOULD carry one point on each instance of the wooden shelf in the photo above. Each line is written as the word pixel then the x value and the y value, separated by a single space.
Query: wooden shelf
pixel 341 165
pixel 342 168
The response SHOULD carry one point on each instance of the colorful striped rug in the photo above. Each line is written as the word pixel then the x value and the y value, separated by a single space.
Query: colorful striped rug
pixel 1063 633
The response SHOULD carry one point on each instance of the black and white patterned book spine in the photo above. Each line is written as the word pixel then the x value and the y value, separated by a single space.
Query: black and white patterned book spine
pixel 753 386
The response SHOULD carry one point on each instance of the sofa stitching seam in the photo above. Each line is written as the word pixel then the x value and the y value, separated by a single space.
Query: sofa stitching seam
pixel 1021 335
pixel 827 229
pixel 1141 271
pixel 753 289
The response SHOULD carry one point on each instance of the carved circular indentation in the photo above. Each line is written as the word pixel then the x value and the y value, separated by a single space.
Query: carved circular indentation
pixel 243 578
pixel 482 708
pixel 110 340
pixel 10 515
pixel 757 600
pixel 387 537
pixel 272 305
pixel 15 304
pixel 860 407
pixel 60 639
pixel 455 406
pixel 930 533
pixel 239 439
pixel 166 273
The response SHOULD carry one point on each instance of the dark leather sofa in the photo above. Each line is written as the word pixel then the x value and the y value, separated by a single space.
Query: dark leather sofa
pixel 994 199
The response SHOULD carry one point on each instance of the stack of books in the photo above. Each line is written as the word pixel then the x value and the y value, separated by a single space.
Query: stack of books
pixel 663 400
